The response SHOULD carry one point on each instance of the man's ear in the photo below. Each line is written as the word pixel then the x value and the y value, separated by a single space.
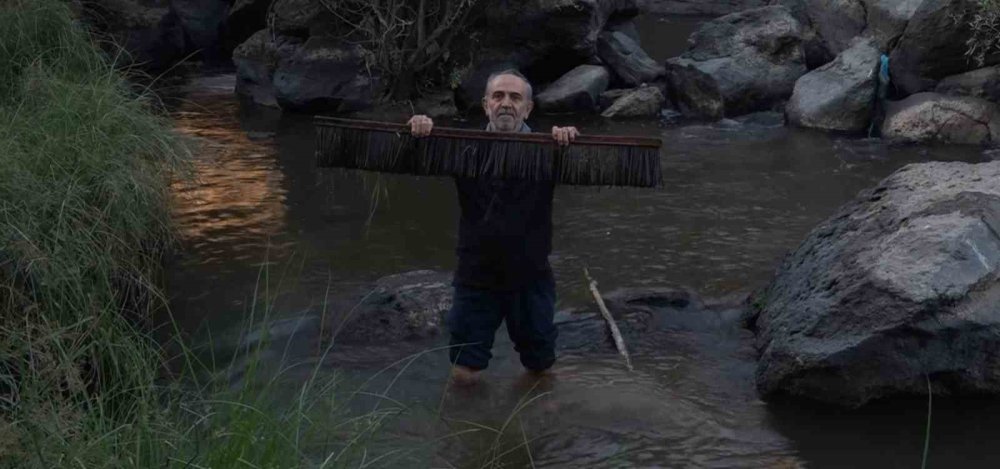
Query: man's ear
pixel 527 110
pixel 486 107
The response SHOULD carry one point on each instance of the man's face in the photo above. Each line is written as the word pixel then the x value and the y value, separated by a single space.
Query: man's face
pixel 506 103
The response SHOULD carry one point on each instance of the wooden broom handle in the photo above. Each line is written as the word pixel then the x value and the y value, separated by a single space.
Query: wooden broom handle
pixel 533 137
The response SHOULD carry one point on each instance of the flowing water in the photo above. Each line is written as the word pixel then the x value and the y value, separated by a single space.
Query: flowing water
pixel 257 220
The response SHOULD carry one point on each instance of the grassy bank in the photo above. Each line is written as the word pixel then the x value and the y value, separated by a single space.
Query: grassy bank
pixel 85 164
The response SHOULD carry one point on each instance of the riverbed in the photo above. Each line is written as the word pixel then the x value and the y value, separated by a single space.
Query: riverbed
pixel 260 224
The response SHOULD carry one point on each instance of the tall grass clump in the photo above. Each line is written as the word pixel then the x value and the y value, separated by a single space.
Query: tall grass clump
pixel 84 172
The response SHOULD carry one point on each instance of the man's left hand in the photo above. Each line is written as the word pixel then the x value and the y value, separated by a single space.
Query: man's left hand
pixel 564 135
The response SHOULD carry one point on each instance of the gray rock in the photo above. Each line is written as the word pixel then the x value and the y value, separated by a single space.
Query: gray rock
pixel 405 306
pixel 934 117
pixel 838 22
pixel 738 63
pixel 887 19
pixel 933 45
pixel 203 22
pixel 256 61
pixel 699 7
pixel 645 101
pixel 609 97
pixel 899 286
pixel 630 63
pixel 981 83
pixel 323 74
pixel 838 95
pixel 577 90
pixel 300 17
pixel 625 26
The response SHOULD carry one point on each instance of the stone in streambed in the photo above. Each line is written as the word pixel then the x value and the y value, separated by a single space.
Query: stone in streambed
pixel 927 117
pixel 897 287
pixel 980 83
pixel 626 58
pixel 577 90
pixel 644 101
pixel 838 95
pixel 739 63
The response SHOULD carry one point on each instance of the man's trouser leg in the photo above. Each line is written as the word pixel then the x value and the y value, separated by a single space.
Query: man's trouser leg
pixel 473 320
pixel 530 326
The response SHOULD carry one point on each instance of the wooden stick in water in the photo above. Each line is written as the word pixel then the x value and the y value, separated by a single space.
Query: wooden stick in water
pixel 615 333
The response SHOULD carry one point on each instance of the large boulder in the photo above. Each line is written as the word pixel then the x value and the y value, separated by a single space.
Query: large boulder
pixel 626 58
pixel 837 22
pixel 934 117
pixel 738 64
pixel 981 83
pixel 645 101
pixel 699 7
pixel 323 74
pixel 578 90
pixel 933 45
pixel 838 95
pixel 898 288
pixel 256 61
pixel 302 17
pixel 887 19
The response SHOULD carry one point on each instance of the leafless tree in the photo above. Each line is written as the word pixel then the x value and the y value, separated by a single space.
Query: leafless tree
pixel 404 40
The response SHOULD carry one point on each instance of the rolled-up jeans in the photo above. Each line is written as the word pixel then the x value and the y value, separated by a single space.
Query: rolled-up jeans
pixel 476 314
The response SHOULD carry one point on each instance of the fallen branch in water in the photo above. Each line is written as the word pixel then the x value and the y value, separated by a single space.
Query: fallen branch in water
pixel 615 333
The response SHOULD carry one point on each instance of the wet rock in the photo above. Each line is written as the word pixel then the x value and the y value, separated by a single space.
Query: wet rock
pixel 700 7
pixel 149 31
pixel 625 26
pixel 981 83
pixel 577 90
pixel 644 101
pixel 838 95
pixel 609 97
pixel 626 58
pixel 204 23
pixel 837 22
pixel 256 61
pixel 897 287
pixel 302 17
pixel 933 45
pixel 405 306
pixel 738 63
pixel 934 117
pixel 324 74
pixel 887 19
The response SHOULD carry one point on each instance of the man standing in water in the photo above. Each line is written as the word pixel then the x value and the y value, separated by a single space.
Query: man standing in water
pixel 504 240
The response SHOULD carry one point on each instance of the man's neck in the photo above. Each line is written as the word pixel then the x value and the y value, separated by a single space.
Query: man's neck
pixel 524 128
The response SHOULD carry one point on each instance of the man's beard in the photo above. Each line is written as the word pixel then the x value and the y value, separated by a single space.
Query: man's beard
pixel 506 122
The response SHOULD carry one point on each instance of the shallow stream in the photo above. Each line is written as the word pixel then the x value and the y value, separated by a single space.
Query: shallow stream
pixel 737 196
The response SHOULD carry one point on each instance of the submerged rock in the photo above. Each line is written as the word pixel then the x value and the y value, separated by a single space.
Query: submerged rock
pixel 578 90
pixel 644 101
pixel 838 95
pixel 898 287
pixel 933 45
pixel 934 117
pixel 981 83
pixel 738 64
pixel 404 306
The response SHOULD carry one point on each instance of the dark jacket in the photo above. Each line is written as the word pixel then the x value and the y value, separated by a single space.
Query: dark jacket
pixel 505 232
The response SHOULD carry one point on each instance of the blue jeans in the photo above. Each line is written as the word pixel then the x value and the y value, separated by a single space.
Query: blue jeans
pixel 476 314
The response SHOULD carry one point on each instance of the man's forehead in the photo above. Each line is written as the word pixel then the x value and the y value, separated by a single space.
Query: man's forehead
pixel 507 83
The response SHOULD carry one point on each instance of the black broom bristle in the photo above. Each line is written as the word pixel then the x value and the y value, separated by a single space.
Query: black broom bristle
pixel 399 152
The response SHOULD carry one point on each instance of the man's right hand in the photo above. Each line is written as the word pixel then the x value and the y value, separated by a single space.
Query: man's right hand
pixel 420 125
